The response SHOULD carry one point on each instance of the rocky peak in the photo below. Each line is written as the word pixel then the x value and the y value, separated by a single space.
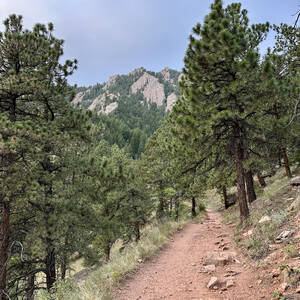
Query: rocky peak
pixel 166 74
pixel 154 87
pixel 111 81
pixel 137 70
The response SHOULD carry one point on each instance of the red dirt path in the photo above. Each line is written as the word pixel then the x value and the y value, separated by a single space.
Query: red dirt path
pixel 176 271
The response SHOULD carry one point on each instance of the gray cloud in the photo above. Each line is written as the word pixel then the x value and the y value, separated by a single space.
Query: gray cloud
pixel 116 36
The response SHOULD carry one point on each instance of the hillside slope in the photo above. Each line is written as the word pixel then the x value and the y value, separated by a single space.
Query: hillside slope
pixel 145 86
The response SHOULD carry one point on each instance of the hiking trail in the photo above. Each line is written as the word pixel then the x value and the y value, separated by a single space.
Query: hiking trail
pixel 185 266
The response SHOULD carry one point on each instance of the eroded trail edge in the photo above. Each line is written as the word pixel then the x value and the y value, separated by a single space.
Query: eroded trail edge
pixel 183 269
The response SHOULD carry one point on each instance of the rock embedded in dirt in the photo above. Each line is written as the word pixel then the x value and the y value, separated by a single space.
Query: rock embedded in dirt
pixel 295 204
pixel 264 219
pixel 210 268
pixel 295 181
pixel 213 282
pixel 248 233
pixel 283 287
pixel 229 283
pixel 284 234
pixel 219 258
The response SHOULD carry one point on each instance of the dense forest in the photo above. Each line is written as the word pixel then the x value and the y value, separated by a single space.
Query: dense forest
pixel 73 182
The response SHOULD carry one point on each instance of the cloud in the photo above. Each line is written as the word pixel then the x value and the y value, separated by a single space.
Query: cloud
pixel 116 36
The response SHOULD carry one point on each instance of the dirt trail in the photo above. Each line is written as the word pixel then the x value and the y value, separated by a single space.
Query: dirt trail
pixel 177 271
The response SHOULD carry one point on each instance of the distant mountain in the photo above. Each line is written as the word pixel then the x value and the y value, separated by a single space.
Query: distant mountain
pixel 160 88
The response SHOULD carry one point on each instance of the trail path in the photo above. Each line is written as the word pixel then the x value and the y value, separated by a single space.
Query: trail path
pixel 177 272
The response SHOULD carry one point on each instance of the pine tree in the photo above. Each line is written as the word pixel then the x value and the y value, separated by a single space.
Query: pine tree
pixel 219 78
pixel 33 90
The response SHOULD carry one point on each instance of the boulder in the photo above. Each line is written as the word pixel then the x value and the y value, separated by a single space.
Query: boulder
pixel 213 282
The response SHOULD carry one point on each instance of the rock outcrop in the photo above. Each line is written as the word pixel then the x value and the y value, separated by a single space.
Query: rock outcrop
pixel 78 98
pixel 171 101
pixel 160 88
pixel 152 90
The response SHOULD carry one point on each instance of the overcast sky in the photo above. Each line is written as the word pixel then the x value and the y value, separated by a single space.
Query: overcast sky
pixel 116 36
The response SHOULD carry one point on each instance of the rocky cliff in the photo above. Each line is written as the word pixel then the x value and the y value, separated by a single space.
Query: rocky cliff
pixel 149 87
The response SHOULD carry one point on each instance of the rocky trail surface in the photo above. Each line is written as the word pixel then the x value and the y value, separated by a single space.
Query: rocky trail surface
pixel 200 262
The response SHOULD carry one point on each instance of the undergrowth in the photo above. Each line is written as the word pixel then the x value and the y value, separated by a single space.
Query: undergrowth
pixel 272 202
pixel 101 282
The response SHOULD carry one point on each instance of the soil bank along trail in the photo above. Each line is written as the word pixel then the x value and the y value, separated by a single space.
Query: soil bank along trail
pixel 184 267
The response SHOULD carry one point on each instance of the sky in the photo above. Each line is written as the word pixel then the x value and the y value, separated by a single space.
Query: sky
pixel 116 36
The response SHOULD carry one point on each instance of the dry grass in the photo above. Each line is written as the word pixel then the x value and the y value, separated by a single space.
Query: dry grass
pixel 101 282
pixel 272 201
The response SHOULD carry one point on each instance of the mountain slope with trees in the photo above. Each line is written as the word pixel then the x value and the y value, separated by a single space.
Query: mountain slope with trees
pixel 77 179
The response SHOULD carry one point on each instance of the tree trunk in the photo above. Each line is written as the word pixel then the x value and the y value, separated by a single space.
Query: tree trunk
pixel 279 159
pixel 238 156
pixel 261 179
pixel 137 231
pixel 63 270
pixel 160 209
pixel 250 187
pixel 50 268
pixel 30 288
pixel 286 163
pixel 4 247
pixel 107 252
pixel 194 207
pixel 225 197
pixel 282 149
pixel 176 209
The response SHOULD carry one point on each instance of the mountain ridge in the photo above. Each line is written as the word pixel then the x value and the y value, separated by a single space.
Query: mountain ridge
pixel 146 86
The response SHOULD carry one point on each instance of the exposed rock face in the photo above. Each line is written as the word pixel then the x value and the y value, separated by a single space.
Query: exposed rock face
pixel 111 81
pixel 166 74
pixel 137 70
pixel 98 102
pixel 111 107
pixel 78 98
pixel 153 91
pixel 160 88
pixel 171 101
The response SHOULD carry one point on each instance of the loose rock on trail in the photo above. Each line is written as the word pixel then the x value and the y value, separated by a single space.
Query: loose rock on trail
pixel 184 269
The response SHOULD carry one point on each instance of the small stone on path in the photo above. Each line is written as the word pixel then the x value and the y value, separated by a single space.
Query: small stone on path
pixel 212 282
pixel 229 283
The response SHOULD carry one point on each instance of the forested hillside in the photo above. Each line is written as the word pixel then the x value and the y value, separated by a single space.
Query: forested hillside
pixel 130 106
pixel 77 179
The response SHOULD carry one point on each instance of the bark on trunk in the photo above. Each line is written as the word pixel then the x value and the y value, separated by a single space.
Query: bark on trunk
pixel 286 163
pixel 238 155
pixel 282 149
pixel 176 209
pixel 107 252
pixel 30 288
pixel 160 209
pixel 261 180
pixel 50 268
pixel 225 197
pixel 63 270
pixel 250 187
pixel 4 248
pixel 194 207
pixel 137 231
